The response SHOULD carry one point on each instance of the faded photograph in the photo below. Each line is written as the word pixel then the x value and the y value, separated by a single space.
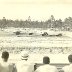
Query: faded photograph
pixel 35 36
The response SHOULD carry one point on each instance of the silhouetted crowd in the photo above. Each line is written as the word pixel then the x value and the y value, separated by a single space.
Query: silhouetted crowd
pixel 23 65
pixel 38 50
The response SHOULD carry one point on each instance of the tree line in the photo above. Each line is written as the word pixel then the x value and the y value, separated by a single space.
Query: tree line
pixel 50 23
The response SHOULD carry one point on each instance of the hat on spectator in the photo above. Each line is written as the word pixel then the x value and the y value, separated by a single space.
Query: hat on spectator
pixel 24 55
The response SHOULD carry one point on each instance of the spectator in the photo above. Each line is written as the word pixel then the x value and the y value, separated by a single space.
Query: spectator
pixel 46 67
pixel 24 65
pixel 5 66
pixel 69 67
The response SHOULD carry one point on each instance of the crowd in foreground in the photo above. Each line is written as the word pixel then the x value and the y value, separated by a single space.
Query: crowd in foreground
pixel 25 66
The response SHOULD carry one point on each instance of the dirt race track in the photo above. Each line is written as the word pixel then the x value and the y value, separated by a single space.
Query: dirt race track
pixel 35 41
pixel 57 48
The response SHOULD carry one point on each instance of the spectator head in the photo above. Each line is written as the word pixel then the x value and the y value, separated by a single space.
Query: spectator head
pixel 46 60
pixel 5 55
pixel 24 55
pixel 70 58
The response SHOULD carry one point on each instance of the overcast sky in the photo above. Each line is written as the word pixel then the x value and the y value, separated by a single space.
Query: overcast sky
pixel 36 9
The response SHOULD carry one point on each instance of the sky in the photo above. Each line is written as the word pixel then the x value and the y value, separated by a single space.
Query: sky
pixel 40 10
